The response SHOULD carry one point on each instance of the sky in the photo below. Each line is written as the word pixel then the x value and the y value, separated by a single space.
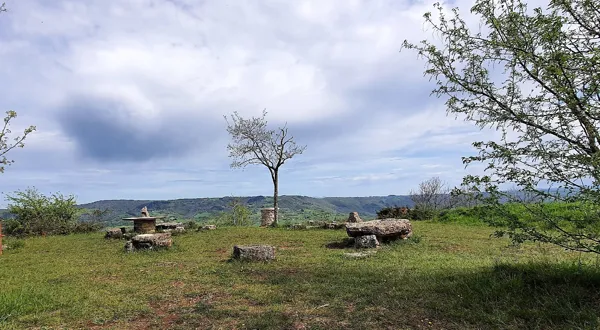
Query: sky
pixel 128 97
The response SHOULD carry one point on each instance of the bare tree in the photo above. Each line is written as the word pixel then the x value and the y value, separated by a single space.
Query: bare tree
pixel 432 194
pixel 463 196
pixel 253 143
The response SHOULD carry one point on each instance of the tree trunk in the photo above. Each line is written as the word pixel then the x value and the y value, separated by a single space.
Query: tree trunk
pixel 275 194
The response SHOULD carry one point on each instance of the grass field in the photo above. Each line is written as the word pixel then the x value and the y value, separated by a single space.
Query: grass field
pixel 452 277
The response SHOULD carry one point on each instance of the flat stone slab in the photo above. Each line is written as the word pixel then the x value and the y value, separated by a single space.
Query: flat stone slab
pixel 169 225
pixel 384 229
pixel 254 252
pixel 359 255
pixel 176 227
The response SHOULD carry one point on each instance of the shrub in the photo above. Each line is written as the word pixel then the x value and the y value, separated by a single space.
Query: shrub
pixel 421 213
pixel 37 214
pixel 417 213
pixel 394 212
pixel 238 215
pixel 191 225
pixel 87 227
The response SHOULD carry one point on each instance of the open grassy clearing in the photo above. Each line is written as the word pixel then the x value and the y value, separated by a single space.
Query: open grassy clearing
pixel 455 277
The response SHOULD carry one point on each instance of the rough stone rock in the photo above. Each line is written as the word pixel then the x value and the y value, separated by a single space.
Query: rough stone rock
pixel 298 226
pixel 129 247
pixel 207 227
pixel 366 242
pixel 354 217
pixel 115 233
pixel 149 242
pixel 334 225
pixel 145 212
pixel 254 252
pixel 386 229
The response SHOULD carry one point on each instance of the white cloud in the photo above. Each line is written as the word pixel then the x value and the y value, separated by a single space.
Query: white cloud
pixel 178 66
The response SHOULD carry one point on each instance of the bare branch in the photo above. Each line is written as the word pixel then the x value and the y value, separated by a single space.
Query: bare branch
pixel 253 143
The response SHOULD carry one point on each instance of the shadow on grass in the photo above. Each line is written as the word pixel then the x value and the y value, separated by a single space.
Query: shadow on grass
pixel 345 243
pixel 506 296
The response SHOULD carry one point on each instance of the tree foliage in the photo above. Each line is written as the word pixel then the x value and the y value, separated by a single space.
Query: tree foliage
pixel 238 214
pixel 37 214
pixel 7 144
pixel 534 75
pixel 253 143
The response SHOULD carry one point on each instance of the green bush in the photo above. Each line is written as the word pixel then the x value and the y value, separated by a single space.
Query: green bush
pixel 87 227
pixel 394 212
pixel 420 213
pixel 191 225
pixel 238 215
pixel 416 213
pixel 37 214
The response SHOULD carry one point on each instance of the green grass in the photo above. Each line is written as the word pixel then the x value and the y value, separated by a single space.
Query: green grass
pixel 453 277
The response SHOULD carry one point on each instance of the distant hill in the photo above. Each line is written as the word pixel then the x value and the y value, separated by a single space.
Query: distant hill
pixel 202 207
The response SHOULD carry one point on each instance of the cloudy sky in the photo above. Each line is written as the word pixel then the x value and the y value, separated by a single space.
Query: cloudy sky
pixel 128 96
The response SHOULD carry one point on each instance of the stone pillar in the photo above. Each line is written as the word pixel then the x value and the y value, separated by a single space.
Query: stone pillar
pixel 267 216
pixel 144 226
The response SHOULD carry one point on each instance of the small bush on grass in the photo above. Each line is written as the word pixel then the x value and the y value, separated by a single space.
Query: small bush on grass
pixel 191 225
pixel 37 214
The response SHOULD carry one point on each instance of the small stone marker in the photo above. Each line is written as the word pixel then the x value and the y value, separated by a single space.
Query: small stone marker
pixel 254 252
pixel 145 212
pixel 334 225
pixel 353 217
pixel 115 233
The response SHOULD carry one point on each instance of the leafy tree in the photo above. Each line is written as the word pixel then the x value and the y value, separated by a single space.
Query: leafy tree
pixel 534 75
pixel 253 143
pixel 238 214
pixel 37 214
pixel 6 144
